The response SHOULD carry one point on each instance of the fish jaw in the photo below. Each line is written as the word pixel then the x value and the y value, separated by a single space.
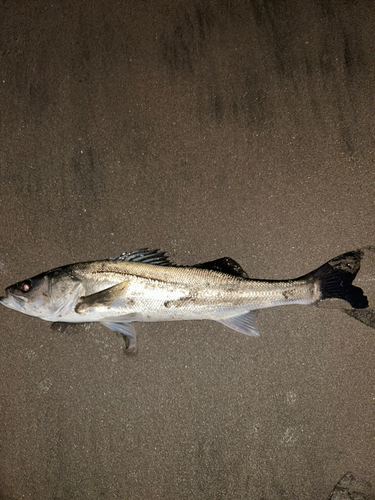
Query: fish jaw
pixel 13 302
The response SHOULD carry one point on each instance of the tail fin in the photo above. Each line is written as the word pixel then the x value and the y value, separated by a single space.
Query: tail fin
pixel 336 277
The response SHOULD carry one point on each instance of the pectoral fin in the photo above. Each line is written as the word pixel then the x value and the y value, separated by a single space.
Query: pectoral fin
pixel 108 298
pixel 125 329
pixel 243 324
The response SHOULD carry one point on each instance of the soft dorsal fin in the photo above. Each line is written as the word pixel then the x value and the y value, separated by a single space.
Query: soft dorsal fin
pixel 145 256
pixel 224 265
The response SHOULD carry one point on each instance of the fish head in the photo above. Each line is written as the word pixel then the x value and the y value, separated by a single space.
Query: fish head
pixel 48 295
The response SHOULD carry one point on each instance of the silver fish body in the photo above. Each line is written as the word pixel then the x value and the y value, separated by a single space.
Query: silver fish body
pixel 144 286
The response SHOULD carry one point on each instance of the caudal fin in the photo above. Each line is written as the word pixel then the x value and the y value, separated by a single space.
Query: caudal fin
pixel 336 277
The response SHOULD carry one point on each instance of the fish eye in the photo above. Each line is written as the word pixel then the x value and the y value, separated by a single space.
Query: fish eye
pixel 26 286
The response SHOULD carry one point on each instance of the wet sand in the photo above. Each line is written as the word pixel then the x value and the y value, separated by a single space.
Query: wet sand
pixel 206 129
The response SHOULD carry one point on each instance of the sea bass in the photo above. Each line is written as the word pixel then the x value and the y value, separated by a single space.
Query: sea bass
pixel 144 285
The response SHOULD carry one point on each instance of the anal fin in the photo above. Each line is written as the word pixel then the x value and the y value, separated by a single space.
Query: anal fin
pixel 245 323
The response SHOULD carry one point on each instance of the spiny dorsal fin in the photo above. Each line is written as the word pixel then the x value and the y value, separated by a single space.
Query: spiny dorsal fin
pixel 224 265
pixel 145 256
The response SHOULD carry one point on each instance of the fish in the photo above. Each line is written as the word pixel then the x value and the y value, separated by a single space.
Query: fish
pixel 145 286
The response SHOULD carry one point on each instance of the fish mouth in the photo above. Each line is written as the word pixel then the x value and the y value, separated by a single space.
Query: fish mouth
pixel 19 297
pixel 13 301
